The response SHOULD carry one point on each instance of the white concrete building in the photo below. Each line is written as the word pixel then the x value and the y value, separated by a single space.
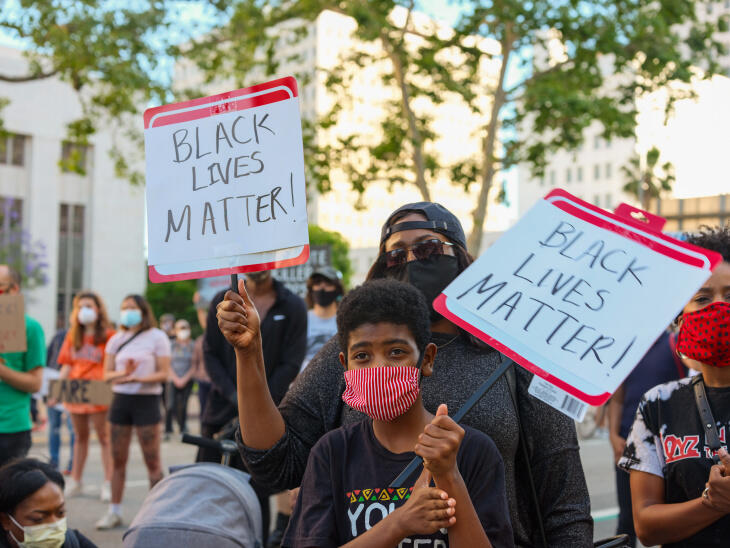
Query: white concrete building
pixel 92 225
pixel 694 139
pixel 328 40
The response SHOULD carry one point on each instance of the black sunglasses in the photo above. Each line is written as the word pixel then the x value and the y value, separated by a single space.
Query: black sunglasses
pixel 421 250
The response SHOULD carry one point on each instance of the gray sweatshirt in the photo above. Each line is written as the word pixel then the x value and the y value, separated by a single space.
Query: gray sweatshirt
pixel 314 406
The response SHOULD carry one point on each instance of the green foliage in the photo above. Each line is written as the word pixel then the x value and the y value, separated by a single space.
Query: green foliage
pixel 340 250
pixel 110 52
pixel 175 298
pixel 537 105
pixel 650 180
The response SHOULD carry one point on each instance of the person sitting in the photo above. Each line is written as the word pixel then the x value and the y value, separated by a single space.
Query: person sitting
pixel 32 507
pixel 344 499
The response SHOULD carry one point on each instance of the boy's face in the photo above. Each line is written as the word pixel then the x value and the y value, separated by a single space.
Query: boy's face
pixel 385 344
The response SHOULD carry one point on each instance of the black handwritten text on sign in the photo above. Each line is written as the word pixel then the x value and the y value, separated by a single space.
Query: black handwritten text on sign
pixel 577 300
pixel 226 185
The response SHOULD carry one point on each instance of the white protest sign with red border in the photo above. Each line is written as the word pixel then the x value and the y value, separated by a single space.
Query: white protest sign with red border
pixel 577 294
pixel 225 184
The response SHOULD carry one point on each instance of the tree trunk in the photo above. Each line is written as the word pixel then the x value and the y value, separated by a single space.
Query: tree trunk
pixel 479 215
pixel 419 169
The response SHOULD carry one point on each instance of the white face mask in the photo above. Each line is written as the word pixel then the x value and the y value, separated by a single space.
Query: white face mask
pixel 87 315
pixel 45 535
pixel 183 334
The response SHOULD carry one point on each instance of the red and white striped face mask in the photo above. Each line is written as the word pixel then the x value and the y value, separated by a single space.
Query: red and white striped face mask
pixel 382 393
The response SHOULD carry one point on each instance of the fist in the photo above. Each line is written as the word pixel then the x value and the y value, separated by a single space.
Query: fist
pixel 439 444
pixel 427 510
pixel 238 319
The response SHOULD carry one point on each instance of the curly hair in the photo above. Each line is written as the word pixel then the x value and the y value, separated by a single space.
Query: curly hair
pixel 380 301
pixel 713 238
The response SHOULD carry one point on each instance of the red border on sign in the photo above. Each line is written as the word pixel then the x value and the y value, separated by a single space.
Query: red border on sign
pixel 245 102
pixel 156 277
pixel 194 109
pixel 596 216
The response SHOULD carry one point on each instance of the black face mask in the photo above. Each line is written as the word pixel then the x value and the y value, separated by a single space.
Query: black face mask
pixel 324 297
pixel 430 276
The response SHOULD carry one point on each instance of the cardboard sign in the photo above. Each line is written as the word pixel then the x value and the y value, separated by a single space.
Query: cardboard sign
pixel 295 277
pixel 225 184
pixel 80 391
pixel 12 324
pixel 576 294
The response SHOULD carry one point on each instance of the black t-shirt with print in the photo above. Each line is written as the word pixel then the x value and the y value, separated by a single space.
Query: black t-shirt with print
pixel 345 489
pixel 667 439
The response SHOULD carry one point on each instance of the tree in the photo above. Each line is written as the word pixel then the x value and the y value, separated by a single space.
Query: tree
pixel 340 250
pixel 111 53
pixel 175 298
pixel 560 65
pixel 19 250
pixel 649 180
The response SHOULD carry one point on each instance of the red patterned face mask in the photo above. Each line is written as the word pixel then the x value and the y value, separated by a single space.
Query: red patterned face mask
pixel 705 335
pixel 382 393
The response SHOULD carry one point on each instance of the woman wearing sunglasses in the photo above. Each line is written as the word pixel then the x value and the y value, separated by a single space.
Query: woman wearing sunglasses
pixel 424 244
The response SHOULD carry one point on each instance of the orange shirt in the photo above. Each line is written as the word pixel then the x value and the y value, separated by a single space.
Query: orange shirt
pixel 86 363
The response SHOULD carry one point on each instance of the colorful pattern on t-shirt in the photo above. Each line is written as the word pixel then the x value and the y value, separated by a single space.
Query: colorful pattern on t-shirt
pixel 667 440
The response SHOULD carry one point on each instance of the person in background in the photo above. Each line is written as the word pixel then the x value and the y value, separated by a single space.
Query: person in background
pixel 57 414
pixel 659 365
pixel 137 363
pixel 284 335
pixel 167 324
pixel 82 358
pixel 680 494
pixel 181 378
pixel 21 374
pixel 33 509
pixel 200 374
pixel 324 290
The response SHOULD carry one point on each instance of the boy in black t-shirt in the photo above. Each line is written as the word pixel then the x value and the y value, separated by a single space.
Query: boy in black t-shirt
pixel 345 498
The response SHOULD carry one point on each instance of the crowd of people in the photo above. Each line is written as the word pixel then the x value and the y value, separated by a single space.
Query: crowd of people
pixel 330 397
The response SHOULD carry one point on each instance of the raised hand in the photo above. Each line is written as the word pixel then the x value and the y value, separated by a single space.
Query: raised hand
pixel 718 485
pixel 238 319
pixel 427 510
pixel 439 444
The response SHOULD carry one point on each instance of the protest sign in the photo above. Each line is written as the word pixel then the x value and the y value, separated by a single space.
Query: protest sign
pixel 80 391
pixel 576 295
pixel 295 277
pixel 12 324
pixel 225 184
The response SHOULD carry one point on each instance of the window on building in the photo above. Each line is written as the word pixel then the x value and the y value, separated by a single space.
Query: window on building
pixel 597 142
pixel 597 200
pixel 608 171
pixel 12 149
pixel 596 172
pixel 608 201
pixel 579 174
pixel 11 215
pixel 568 175
pixel 74 157
pixel 70 258
pixel 552 177
pixel 542 180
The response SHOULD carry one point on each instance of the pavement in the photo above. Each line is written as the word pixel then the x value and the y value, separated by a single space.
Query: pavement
pixel 83 511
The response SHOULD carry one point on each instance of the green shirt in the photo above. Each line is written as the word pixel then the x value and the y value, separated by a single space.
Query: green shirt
pixel 14 404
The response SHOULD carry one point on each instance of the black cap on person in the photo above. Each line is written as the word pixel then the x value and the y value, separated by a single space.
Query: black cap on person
pixel 440 220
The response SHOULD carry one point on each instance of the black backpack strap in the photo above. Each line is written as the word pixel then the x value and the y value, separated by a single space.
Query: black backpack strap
pixel 708 421
pixel 129 340
pixel 511 377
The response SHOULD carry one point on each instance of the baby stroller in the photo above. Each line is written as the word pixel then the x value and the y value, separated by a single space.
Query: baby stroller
pixel 205 505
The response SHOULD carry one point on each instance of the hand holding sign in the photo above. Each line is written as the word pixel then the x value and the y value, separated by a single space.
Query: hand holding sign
pixel 238 319
pixel 439 444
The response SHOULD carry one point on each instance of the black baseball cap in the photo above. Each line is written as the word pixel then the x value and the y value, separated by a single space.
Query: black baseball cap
pixel 440 220
pixel 328 272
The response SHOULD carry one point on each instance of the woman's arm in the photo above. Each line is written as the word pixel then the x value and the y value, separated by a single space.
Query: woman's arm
pixel 64 373
pixel 659 523
pixel 161 374
pixel 110 375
